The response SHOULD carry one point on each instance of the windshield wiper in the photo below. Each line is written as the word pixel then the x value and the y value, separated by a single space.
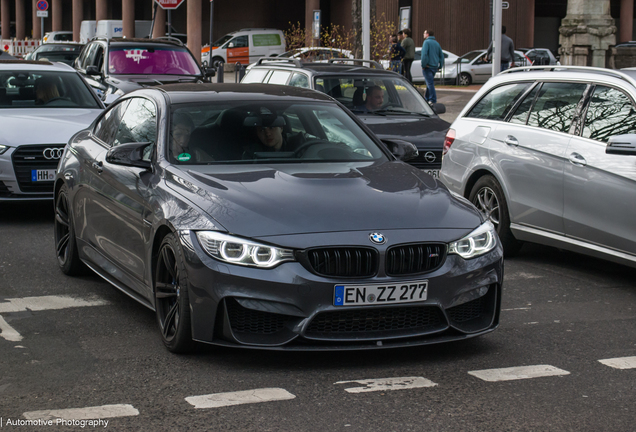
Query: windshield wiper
pixel 402 111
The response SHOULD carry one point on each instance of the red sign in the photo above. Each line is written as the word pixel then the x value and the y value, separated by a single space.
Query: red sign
pixel 43 5
pixel 169 4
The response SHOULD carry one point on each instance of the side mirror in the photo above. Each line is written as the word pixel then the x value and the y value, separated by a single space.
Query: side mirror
pixel 209 72
pixel 92 70
pixel 231 45
pixel 403 150
pixel 129 154
pixel 439 108
pixel 622 145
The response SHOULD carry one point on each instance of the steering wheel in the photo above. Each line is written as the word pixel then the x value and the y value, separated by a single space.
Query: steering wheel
pixel 303 147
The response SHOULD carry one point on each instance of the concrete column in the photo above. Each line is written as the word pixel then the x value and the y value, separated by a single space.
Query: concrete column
pixel 101 10
pixel 5 14
pixel 20 20
pixel 160 23
pixel 128 17
pixel 78 16
pixel 194 28
pixel 626 20
pixel 310 7
pixel 37 31
pixel 56 15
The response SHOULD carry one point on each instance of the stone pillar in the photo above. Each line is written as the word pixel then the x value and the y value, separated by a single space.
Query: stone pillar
pixel 128 17
pixel 20 20
pixel 194 28
pixel 56 15
pixel 37 31
pixel 626 20
pixel 101 10
pixel 78 16
pixel 586 33
pixel 160 23
pixel 5 13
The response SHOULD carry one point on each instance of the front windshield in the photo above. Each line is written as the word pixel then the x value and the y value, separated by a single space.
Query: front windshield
pixel 290 53
pixel 148 60
pixel 380 95
pixel 467 58
pixel 221 41
pixel 266 132
pixel 27 89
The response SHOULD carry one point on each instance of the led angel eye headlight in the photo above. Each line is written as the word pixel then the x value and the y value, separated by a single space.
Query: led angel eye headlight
pixel 482 240
pixel 235 250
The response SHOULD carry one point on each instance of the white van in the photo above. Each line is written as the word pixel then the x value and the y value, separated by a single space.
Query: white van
pixel 115 28
pixel 88 28
pixel 245 46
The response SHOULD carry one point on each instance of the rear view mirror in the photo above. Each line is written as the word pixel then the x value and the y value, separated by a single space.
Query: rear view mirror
pixel 403 150
pixel 622 145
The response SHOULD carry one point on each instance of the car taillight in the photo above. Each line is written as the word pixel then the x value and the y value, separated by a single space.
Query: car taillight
pixel 448 141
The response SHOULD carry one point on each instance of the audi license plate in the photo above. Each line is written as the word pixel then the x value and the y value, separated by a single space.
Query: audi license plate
pixel 432 173
pixel 364 295
pixel 43 175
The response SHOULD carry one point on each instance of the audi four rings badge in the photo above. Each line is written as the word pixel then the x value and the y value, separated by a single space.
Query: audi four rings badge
pixel 377 238
pixel 430 157
pixel 53 153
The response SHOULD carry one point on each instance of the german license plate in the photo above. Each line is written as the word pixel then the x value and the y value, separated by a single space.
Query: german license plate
pixel 432 173
pixel 42 175
pixel 365 295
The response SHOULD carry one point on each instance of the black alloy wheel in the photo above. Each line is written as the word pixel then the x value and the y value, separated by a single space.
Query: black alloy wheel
pixel 171 297
pixel 489 199
pixel 65 242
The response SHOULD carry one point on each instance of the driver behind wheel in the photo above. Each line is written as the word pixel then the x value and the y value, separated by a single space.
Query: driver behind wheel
pixel 269 129
pixel 45 90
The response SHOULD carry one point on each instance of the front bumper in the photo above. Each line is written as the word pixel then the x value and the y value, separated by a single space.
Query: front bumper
pixel 291 308
pixel 16 166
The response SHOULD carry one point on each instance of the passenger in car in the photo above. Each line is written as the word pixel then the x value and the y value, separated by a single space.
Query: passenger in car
pixel 182 127
pixel 273 138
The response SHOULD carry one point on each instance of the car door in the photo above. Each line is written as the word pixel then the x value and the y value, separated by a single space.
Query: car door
pixel 529 150
pixel 122 210
pixel 238 50
pixel 95 57
pixel 600 188
pixel 481 69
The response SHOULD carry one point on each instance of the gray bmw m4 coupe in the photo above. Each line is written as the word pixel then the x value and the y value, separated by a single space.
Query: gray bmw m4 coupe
pixel 270 217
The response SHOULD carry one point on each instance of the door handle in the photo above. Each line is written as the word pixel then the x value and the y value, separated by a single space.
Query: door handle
pixel 98 166
pixel 510 140
pixel 577 159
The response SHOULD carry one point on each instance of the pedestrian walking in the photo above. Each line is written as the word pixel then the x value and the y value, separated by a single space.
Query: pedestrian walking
pixel 507 51
pixel 396 54
pixel 432 58
pixel 409 53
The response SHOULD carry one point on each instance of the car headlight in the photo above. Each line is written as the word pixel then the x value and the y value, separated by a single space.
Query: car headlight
pixel 3 148
pixel 235 250
pixel 480 241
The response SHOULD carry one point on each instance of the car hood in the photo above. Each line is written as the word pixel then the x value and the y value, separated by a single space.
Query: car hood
pixel 261 201
pixel 425 132
pixel 153 80
pixel 43 125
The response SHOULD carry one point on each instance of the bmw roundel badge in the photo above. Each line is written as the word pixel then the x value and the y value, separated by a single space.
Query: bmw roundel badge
pixel 377 238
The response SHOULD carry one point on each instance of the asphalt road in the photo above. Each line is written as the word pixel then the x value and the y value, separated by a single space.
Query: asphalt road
pixel 91 348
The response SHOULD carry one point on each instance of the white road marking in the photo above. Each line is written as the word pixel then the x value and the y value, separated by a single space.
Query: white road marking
pixel 8 332
pixel 217 400
pixel 47 303
pixel 521 275
pixel 517 373
pixel 620 362
pixel 385 384
pixel 514 309
pixel 98 412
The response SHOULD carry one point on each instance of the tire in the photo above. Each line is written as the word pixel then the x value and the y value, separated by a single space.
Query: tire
pixel 172 302
pixel 489 199
pixel 465 79
pixel 217 62
pixel 65 241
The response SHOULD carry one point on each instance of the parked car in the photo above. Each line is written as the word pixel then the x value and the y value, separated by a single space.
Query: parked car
pixel 42 105
pixel 117 66
pixel 540 56
pixel 550 157
pixel 404 113
pixel 65 52
pixel 332 243
pixel 317 54
pixel 57 36
pixel 244 46
pixel 472 68
pixel 416 67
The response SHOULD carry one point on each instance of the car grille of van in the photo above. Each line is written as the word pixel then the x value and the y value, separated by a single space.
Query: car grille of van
pixel 414 258
pixel 425 160
pixel 27 158
pixel 343 262
pixel 376 322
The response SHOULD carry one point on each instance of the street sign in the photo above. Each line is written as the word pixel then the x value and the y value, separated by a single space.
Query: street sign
pixel 169 4
pixel 42 14
pixel 43 5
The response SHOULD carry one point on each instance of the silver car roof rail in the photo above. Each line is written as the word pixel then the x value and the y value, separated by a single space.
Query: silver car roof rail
pixel 373 63
pixel 610 72
pixel 287 61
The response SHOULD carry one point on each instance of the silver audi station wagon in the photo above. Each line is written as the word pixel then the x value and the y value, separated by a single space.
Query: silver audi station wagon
pixel 549 156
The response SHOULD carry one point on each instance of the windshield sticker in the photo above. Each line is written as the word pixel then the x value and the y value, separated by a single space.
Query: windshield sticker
pixel 184 157
pixel 136 54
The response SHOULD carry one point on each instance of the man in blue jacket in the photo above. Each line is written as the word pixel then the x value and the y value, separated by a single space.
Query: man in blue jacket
pixel 432 57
